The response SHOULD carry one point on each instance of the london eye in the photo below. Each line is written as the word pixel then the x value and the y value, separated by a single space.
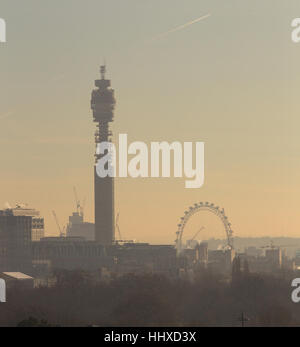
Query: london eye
pixel 198 207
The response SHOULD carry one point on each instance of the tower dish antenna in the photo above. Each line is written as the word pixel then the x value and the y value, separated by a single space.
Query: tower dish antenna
pixel 103 71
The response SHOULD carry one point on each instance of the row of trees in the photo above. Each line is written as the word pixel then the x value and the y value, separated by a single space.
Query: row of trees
pixel 153 300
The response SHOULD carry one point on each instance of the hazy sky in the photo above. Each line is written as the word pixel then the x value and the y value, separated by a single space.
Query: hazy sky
pixel 231 80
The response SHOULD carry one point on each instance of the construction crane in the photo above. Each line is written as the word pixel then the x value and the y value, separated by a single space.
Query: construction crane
pixel 77 202
pixel 117 226
pixel 61 231
pixel 79 207
pixel 197 233
pixel 189 243
pixel 120 240
pixel 82 207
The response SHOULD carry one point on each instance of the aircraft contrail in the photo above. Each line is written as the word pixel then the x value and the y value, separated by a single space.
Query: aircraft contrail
pixel 181 26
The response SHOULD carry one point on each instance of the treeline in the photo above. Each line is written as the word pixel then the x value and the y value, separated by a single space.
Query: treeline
pixel 153 300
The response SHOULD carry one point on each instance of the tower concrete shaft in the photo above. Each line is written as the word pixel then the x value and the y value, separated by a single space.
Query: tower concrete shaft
pixel 103 105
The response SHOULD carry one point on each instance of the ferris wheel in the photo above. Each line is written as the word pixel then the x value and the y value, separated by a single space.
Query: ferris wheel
pixel 203 206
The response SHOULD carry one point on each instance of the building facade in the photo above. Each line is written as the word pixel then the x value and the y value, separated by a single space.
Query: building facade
pixel 15 242
pixel 78 228
pixel 38 224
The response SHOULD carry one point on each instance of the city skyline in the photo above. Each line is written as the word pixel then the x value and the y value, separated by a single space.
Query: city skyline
pixel 224 81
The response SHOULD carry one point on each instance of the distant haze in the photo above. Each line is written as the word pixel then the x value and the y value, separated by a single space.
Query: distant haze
pixel 231 80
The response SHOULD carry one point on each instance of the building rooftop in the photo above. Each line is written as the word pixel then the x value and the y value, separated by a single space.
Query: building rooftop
pixel 18 275
pixel 20 211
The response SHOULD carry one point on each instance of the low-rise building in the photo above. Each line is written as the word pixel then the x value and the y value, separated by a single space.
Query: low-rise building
pixel 17 280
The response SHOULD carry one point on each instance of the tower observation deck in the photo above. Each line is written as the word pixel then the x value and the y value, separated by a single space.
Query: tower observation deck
pixel 103 105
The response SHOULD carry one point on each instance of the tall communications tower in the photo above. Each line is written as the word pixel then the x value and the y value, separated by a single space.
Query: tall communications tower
pixel 103 105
